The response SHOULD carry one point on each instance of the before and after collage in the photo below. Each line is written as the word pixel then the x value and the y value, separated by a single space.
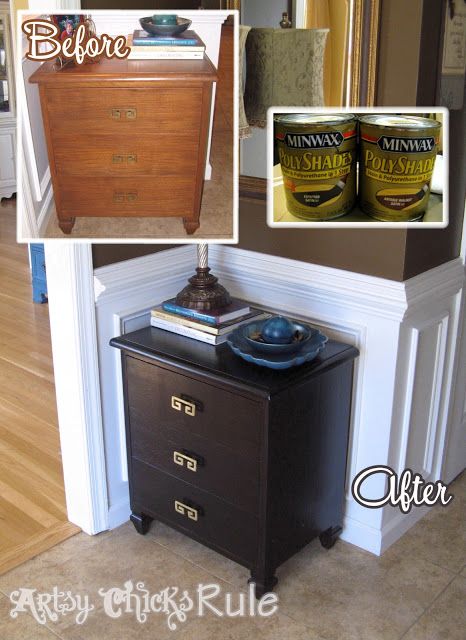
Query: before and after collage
pixel 232 319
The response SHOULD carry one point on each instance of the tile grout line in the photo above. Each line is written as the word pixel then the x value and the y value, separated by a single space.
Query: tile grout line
pixel 284 612
pixel 428 607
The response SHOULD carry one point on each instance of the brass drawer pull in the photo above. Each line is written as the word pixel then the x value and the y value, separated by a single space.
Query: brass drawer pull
pixel 184 510
pixel 118 196
pixel 131 158
pixel 129 113
pixel 181 458
pixel 117 159
pixel 132 196
pixel 179 404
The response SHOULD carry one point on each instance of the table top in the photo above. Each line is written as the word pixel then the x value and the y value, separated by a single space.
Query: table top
pixel 220 361
pixel 114 70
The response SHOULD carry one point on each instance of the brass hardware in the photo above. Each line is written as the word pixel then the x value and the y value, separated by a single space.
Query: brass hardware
pixel 179 404
pixel 117 159
pixel 118 196
pixel 190 512
pixel 132 158
pixel 181 458
pixel 116 114
pixel 132 196
pixel 131 114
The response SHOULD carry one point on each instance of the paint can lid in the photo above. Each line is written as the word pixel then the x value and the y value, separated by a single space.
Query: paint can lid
pixel 314 118
pixel 399 121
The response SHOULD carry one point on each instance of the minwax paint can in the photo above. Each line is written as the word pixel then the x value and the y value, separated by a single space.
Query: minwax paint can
pixel 397 156
pixel 317 154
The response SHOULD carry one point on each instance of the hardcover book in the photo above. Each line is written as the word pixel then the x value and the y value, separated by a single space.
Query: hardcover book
pixel 186 39
pixel 236 309
pixel 218 330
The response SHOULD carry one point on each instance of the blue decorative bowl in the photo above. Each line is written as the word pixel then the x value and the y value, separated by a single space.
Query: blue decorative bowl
pixel 166 30
pixel 164 18
pixel 244 349
pixel 254 335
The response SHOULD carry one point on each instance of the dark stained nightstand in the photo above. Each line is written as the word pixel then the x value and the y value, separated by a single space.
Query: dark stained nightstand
pixel 249 461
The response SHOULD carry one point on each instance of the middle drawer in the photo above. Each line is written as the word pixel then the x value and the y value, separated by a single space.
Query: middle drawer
pixel 163 155
pixel 202 462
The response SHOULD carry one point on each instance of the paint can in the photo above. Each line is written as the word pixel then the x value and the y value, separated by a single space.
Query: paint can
pixel 397 156
pixel 317 154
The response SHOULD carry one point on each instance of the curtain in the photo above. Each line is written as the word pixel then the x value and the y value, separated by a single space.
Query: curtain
pixel 318 17
pixel 284 67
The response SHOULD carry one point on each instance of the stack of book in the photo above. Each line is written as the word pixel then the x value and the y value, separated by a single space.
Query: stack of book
pixel 212 327
pixel 144 46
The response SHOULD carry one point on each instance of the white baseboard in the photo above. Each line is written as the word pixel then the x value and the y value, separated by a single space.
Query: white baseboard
pixel 402 330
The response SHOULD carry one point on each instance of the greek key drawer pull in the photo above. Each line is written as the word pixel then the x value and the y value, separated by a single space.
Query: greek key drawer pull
pixel 179 405
pixel 181 458
pixel 184 510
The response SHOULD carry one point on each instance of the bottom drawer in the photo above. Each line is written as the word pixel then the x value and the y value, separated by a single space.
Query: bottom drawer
pixel 128 196
pixel 196 513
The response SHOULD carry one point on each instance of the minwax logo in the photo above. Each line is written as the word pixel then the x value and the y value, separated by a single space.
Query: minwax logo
pixel 313 140
pixel 406 145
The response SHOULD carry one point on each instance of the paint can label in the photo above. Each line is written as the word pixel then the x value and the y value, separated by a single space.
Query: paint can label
pixel 397 157
pixel 317 156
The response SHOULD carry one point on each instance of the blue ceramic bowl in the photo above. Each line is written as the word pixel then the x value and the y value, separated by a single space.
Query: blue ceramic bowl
pixel 164 18
pixel 166 30
pixel 252 333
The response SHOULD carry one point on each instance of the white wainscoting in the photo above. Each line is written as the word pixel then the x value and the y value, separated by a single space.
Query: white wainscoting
pixel 124 295
pixel 406 334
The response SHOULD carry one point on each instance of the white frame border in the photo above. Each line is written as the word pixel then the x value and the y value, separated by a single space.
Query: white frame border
pixel 357 225
pixel 21 111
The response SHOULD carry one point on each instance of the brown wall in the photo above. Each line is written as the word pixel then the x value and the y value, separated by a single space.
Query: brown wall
pixel 409 50
pixel 103 254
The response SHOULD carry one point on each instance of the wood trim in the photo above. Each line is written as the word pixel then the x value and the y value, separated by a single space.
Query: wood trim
pixel 252 188
pixel 366 23
pixel 431 51
pixel 36 545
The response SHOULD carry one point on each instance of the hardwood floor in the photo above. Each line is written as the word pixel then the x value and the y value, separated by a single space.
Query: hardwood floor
pixel 32 497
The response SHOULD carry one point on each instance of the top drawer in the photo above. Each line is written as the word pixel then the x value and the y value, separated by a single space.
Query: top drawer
pixel 124 111
pixel 158 395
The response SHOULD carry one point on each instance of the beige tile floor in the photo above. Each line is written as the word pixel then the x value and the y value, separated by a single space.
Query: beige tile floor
pixel 415 591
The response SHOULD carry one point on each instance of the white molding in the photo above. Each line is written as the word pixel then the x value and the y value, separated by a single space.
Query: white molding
pixel 124 293
pixel 45 210
pixel 27 222
pixel 381 317
pixel 76 369
pixel 139 274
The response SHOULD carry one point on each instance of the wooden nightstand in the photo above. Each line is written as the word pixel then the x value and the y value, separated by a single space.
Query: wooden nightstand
pixel 127 137
pixel 248 461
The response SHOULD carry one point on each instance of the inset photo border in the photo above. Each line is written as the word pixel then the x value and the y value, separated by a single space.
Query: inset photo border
pixel 97 162
pixel 286 175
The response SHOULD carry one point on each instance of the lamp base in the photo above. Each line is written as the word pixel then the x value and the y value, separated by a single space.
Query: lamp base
pixel 203 292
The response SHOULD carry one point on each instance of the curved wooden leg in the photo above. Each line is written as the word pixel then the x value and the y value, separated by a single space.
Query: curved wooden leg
pixel 141 522
pixel 190 226
pixel 66 224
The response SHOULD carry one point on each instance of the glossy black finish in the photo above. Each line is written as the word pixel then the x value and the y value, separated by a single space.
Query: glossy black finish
pixel 270 447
